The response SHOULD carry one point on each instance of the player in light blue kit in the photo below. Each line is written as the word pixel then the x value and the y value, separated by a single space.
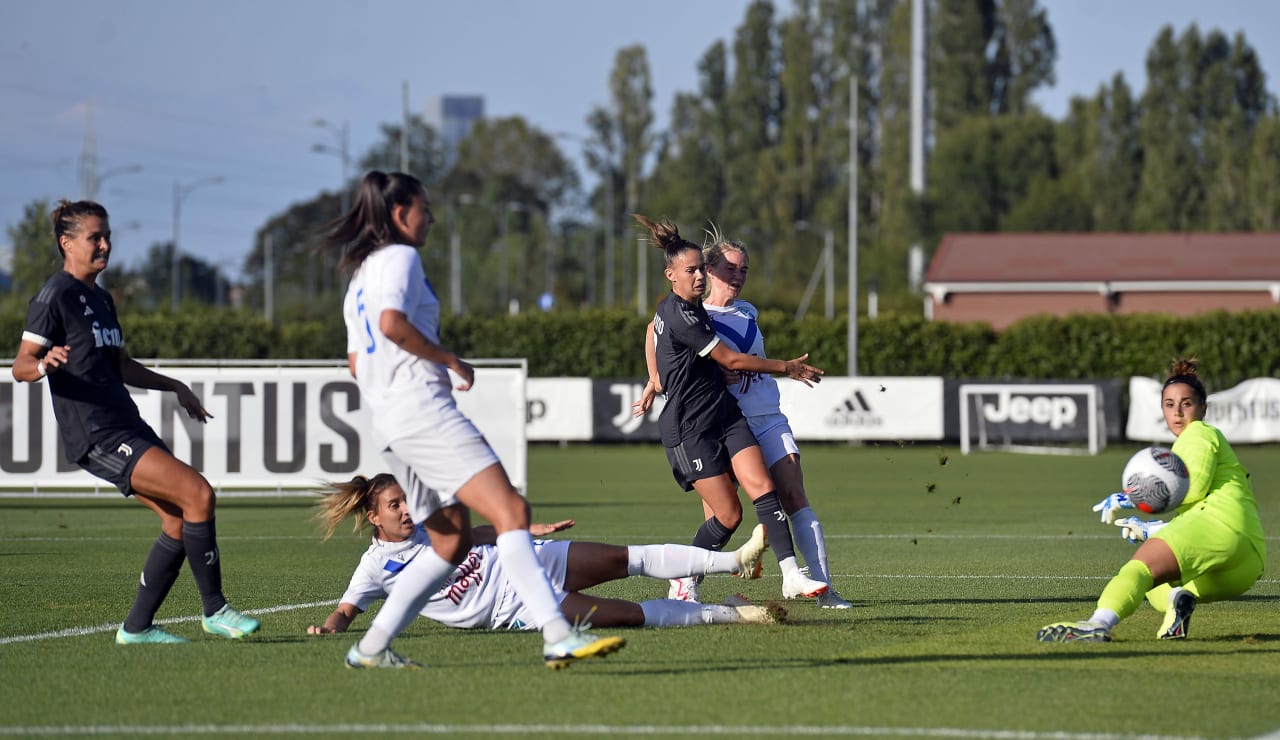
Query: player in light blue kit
pixel 392 317
pixel 479 593
pixel 708 442
pixel 1212 549
pixel 735 322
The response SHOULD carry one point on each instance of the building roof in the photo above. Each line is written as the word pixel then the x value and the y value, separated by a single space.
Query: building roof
pixel 1110 257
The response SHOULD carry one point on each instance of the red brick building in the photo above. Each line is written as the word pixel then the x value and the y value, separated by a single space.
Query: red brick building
pixel 1000 278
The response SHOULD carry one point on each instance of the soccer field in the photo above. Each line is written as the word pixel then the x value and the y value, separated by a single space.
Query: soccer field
pixel 952 562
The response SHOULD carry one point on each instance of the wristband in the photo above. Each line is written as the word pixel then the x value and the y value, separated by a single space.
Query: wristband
pixel 40 368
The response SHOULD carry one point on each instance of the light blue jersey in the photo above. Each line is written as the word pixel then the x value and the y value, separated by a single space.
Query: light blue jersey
pixel 735 324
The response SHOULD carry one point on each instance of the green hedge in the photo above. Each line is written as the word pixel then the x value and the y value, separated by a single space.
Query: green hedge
pixel 602 344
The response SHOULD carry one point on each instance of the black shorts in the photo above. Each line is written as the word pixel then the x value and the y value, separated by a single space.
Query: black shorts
pixel 710 454
pixel 115 453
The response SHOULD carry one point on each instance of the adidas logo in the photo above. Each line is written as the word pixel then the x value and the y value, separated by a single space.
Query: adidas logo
pixel 854 411
pixel 88 311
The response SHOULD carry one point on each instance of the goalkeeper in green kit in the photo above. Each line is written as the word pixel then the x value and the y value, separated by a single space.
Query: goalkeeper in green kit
pixel 1212 549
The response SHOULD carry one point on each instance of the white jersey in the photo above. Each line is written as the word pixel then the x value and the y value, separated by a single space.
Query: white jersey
pixel 476 596
pixel 391 277
pixel 735 324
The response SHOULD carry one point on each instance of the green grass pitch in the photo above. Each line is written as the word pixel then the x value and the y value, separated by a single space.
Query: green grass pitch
pixel 953 562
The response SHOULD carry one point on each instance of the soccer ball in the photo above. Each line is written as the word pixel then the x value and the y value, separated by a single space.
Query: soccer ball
pixel 1155 480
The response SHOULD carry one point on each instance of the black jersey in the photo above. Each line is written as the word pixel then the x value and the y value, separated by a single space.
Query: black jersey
pixel 697 398
pixel 89 396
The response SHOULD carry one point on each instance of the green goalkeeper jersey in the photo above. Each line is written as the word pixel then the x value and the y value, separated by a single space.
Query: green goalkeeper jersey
pixel 1220 485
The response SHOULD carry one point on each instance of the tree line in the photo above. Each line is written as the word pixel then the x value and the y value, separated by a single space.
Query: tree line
pixel 761 151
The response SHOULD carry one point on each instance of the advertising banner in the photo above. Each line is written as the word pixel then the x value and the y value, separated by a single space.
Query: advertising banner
pixel 559 410
pixel 836 409
pixel 871 408
pixel 1249 412
pixel 272 427
pixel 611 417
pixel 1023 411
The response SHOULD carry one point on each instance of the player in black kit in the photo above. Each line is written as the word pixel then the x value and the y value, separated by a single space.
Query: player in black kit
pixel 709 445
pixel 72 336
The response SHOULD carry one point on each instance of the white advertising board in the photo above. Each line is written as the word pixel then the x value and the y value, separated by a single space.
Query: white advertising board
pixel 864 408
pixel 559 409
pixel 273 426
pixel 1247 413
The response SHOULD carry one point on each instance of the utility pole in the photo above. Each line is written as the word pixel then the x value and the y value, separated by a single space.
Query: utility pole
pixel 852 311
pixel 342 151
pixel 404 126
pixel 180 193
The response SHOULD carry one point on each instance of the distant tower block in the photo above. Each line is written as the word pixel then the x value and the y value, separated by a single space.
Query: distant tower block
pixel 453 116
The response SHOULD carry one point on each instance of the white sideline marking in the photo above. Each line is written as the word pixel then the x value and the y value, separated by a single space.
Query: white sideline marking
pixel 82 631
pixel 545 729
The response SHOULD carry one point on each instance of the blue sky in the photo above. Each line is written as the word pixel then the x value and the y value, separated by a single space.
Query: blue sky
pixel 192 90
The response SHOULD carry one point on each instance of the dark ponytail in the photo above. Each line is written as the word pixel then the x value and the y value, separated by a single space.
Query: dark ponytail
pixel 368 225
pixel 666 237
pixel 66 218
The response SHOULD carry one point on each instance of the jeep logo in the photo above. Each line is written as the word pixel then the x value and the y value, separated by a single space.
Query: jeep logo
pixel 1056 411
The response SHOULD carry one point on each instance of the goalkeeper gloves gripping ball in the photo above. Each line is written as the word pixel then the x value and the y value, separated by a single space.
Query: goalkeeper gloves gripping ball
pixel 1113 505
pixel 1137 530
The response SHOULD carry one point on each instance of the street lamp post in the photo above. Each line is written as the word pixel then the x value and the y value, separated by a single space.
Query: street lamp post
pixel 94 183
pixel 504 289
pixel 455 253
pixel 342 151
pixel 606 221
pixel 824 267
pixel 180 192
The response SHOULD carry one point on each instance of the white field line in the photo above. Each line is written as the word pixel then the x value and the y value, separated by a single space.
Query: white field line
pixel 82 631
pixel 572 729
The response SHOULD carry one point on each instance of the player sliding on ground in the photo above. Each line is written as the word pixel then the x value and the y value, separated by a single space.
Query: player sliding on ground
pixel 448 470
pixel 1211 550
pixel 479 594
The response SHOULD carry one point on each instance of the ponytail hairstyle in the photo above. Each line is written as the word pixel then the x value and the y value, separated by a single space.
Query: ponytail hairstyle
pixel 66 218
pixel 357 497
pixel 713 253
pixel 368 225
pixel 1183 370
pixel 666 237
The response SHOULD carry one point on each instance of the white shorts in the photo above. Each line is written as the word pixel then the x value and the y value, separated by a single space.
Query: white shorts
pixel 511 612
pixel 433 455
pixel 774 434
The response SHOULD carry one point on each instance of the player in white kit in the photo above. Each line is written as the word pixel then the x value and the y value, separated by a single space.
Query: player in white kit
pixel 479 594
pixel 447 468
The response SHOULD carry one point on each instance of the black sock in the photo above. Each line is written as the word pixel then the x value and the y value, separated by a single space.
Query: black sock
pixel 164 562
pixel 712 535
pixel 769 512
pixel 201 543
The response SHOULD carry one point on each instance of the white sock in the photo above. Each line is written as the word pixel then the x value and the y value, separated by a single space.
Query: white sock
pixel 806 530
pixel 677 561
pixel 524 571
pixel 790 568
pixel 670 613
pixel 413 588
pixel 1105 618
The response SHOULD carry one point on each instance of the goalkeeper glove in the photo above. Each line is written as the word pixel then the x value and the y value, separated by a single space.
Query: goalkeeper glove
pixel 1136 530
pixel 1111 505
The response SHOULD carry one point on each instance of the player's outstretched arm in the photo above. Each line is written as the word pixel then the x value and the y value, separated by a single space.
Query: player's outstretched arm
pixel 338 621
pixel 796 369
pixel 485 534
